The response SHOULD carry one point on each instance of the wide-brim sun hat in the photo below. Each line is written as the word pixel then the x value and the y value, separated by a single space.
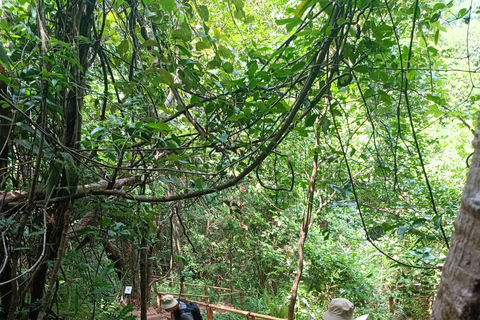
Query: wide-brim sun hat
pixel 168 302
pixel 339 309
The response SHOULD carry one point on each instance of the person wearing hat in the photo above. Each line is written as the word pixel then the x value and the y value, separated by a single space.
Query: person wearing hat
pixel 179 308
pixel 339 309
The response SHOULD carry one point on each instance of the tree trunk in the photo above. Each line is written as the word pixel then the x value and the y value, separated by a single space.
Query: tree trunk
pixel 80 24
pixel 129 256
pixel 56 268
pixel 143 280
pixel 458 296
pixel 176 232
pixel 5 291
pixel 149 272
pixel 176 241
pixel 306 219
pixel 114 256
pixel 5 127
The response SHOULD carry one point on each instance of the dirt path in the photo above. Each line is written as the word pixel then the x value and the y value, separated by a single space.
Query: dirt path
pixel 151 314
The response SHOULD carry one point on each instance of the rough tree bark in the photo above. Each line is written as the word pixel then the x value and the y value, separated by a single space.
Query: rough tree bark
pixel 458 296
pixel 131 268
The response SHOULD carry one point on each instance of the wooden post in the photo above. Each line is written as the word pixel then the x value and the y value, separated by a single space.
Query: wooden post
pixel 159 303
pixel 209 313
pixel 250 316
pixel 207 299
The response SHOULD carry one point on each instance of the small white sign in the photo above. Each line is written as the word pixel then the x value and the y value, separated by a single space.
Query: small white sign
pixel 128 290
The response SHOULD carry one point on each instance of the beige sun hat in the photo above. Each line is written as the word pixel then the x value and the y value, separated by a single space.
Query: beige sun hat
pixel 168 301
pixel 339 309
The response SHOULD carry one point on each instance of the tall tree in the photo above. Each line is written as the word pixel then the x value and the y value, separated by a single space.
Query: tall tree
pixel 458 295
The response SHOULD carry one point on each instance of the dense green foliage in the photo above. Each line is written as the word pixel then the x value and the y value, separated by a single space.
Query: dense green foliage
pixel 174 137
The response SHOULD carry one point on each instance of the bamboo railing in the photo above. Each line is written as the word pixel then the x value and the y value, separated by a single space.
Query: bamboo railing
pixel 248 314
pixel 210 307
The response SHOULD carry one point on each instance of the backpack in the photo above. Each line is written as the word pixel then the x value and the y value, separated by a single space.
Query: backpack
pixel 192 307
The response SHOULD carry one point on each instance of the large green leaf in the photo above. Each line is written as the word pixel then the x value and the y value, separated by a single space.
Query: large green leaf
pixel 300 10
pixel 159 126
pixel 164 77
pixel 203 12
pixel 53 179
pixel 168 5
